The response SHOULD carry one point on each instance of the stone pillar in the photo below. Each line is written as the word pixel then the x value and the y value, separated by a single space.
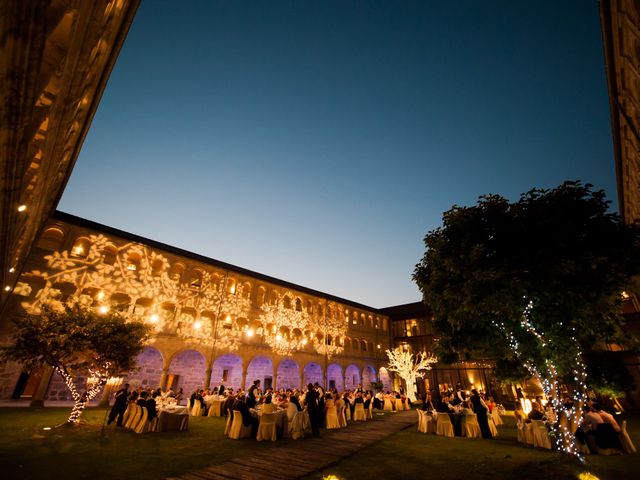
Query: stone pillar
pixel 244 377
pixel 274 382
pixel 163 377
pixel 207 377
pixel 301 379
pixel 41 392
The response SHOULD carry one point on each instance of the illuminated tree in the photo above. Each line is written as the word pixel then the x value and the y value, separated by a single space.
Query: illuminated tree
pixel 409 369
pixel 77 342
pixel 537 281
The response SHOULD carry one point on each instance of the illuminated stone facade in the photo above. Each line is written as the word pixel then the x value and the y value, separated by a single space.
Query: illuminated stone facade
pixel 213 322
pixel 55 58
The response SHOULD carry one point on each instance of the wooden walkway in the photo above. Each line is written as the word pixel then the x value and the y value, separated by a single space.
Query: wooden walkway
pixel 302 457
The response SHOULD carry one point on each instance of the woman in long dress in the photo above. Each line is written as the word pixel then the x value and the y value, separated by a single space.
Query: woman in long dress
pixel 481 409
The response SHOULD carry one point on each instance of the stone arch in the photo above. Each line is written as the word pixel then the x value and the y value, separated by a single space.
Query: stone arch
pixel 227 370
pixel 385 378
pixel 187 371
pixel 368 377
pixel 288 374
pixel 150 363
pixel 312 373
pixel 334 375
pixel 260 368
pixel 352 377
pixel 51 240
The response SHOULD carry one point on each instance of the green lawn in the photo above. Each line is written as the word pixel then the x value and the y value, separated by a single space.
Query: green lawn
pixel 412 454
pixel 28 452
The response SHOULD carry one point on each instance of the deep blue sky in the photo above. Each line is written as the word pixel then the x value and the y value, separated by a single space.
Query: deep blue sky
pixel 319 142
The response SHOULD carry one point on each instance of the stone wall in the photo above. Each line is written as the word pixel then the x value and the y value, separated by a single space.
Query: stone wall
pixel 352 377
pixel 233 364
pixel 149 371
pixel 190 365
pixel 334 372
pixel 258 369
pixel 9 375
pixel 288 374
pixel 312 374
pixel 368 377
pixel 58 388
pixel 385 379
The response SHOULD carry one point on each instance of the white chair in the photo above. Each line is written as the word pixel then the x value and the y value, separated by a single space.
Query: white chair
pixel 196 410
pixel 267 427
pixel 342 420
pixel 332 418
pixel 227 427
pixel 296 426
pixel 422 427
pixel 369 411
pixel 405 404
pixel 520 426
pixel 388 405
pixel 142 426
pixel 443 425
pixel 358 413
pixel 398 404
pixel 238 430
pixel 215 408
pixel 625 440
pixel 134 417
pixel 471 426
pixel 127 413
pixel 540 434
pixel 528 433
pixel 492 427
pixel 497 419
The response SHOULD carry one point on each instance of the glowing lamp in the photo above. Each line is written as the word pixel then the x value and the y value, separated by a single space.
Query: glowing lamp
pixel 22 208
pixel 103 309
pixel 154 318
pixel 197 325
pixel 7 288
pixel 132 266
pixel 304 341
pixel 250 332
pixel 11 270
pixel 278 337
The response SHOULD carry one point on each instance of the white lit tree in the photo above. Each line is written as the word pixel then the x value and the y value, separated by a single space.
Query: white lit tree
pixel 77 343
pixel 409 368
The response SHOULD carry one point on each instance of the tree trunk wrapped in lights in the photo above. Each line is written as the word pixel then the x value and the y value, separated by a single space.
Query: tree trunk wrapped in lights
pixel 77 342
pixel 402 362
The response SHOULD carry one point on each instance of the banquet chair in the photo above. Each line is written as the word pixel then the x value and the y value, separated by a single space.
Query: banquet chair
pixel 296 426
pixel 398 404
pixel 152 426
pixel 215 409
pixel 238 430
pixel 528 433
pixel 127 414
pixel 196 410
pixel 625 440
pixel 422 427
pixel 471 426
pixel 332 418
pixel 369 411
pixel 141 426
pixel 267 427
pixel 540 434
pixel 444 425
pixel 387 404
pixel 227 427
pixel 347 411
pixel 429 423
pixel 497 419
pixel 405 404
pixel 342 420
pixel 520 426
pixel 134 417
pixel 492 427
pixel 358 414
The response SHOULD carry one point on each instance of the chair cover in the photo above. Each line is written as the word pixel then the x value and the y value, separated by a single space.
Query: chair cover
pixel 497 419
pixel 358 413
pixel 296 426
pixel 332 418
pixel 528 434
pixel 429 423
pixel 369 411
pixel 387 404
pixel 492 427
pixel 347 411
pixel 238 430
pixel 625 440
pixel 422 427
pixel 540 434
pixel 342 420
pixel 196 410
pixel 135 416
pixel 141 426
pixel 520 426
pixel 398 404
pixel 127 414
pixel 444 425
pixel 471 426
pixel 228 425
pixel 267 427
pixel 215 408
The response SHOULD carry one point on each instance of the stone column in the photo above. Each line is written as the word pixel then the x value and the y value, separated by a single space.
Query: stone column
pixel 163 377
pixel 274 381
pixel 244 378
pixel 207 377
pixel 301 378
pixel 41 392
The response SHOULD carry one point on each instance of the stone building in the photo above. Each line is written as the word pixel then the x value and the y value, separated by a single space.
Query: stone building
pixel 213 322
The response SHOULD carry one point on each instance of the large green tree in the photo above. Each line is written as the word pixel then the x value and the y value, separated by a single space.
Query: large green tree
pixel 77 342
pixel 535 282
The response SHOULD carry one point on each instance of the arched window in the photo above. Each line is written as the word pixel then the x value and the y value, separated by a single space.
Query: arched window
pixel 133 261
pixel 246 290
pixel 109 254
pixel 287 301
pixel 177 269
pixel 196 278
pixel 51 239
pixel 298 305
pixel 262 292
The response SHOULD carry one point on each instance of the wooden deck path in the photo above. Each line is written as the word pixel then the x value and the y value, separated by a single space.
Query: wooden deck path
pixel 302 457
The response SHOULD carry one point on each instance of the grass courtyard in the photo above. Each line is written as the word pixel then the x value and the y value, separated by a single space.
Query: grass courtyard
pixel 28 452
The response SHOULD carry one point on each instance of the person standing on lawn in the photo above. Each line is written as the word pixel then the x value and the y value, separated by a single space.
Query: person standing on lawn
pixel 119 406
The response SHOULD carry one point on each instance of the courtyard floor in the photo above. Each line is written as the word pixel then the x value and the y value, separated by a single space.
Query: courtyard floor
pixel 28 452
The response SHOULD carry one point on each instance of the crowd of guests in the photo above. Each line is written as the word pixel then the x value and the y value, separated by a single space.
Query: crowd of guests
pixel 458 401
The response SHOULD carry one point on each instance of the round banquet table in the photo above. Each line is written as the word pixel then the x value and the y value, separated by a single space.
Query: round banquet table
pixel 173 419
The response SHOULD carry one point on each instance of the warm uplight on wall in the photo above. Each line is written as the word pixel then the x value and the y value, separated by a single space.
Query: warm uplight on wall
pixel 131 266
pixel 22 208
pixel 250 332
pixel 278 337
pixel 197 325
pixel 78 250
pixel 304 341
pixel 154 318
pixel 100 295
pixel 103 309
pixel 227 319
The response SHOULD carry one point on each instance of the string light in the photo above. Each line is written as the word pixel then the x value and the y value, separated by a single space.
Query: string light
pixel 402 362
pixel 22 208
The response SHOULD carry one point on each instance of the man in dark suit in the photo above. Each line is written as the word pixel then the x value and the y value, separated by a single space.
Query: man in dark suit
pixel 227 405
pixel 314 410
pixel 251 396
pixel 247 419
pixel 120 405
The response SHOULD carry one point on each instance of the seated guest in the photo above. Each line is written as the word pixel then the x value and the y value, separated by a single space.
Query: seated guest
pixel 443 405
pixel 427 403
pixel 227 405
pixel 607 418
pixel 536 412
pixel 142 399
pixel 151 406
pixel 268 406
pixel 247 419
pixel 519 414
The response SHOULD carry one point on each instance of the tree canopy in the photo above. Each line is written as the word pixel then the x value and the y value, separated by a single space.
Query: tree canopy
pixel 562 249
